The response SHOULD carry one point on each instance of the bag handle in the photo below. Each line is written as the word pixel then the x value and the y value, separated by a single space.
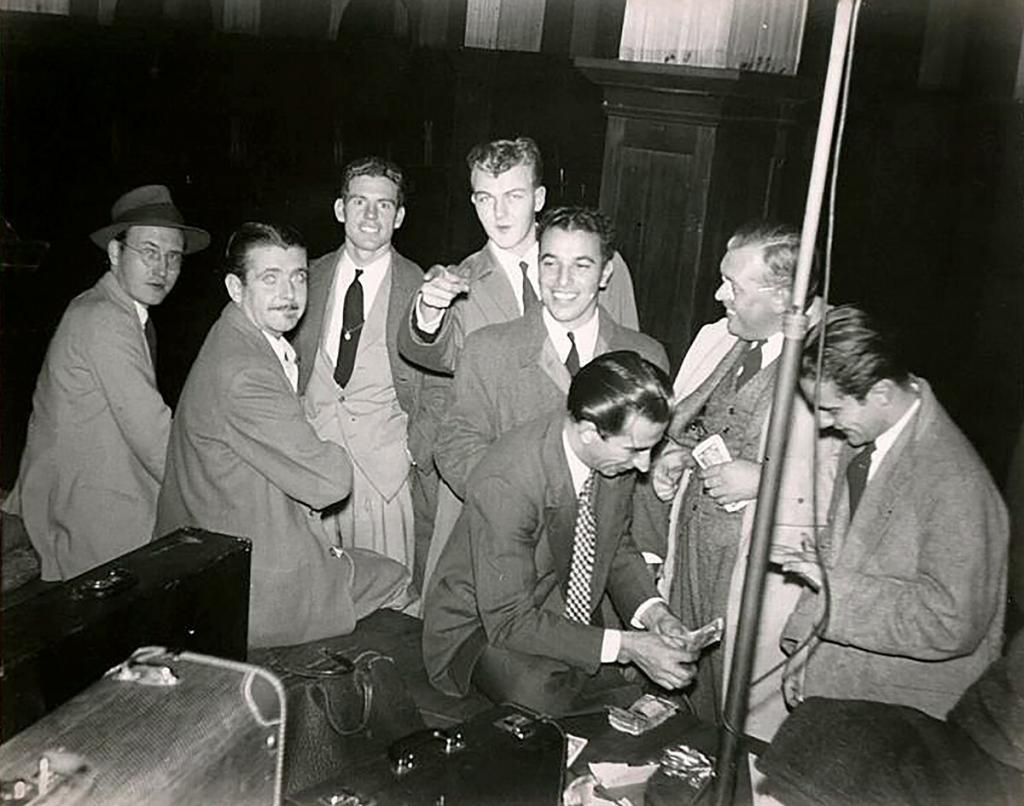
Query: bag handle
pixel 363 678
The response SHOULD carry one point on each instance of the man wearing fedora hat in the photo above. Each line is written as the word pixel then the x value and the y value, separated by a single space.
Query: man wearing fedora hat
pixel 97 437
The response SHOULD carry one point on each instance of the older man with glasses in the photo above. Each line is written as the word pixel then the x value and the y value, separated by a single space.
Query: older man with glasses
pixel 97 437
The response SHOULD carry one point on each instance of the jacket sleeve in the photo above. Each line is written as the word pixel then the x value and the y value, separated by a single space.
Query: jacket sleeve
pixel 267 428
pixel 505 527
pixel 469 427
pixel 117 355
pixel 439 352
pixel 957 525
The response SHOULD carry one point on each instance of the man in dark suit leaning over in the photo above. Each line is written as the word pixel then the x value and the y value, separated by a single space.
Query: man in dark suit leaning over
pixel 512 372
pixel 543 535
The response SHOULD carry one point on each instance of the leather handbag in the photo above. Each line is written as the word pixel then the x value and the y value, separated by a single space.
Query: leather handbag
pixel 340 709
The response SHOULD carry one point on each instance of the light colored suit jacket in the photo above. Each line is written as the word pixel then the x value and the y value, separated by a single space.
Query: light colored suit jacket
pixel 422 395
pixel 917 580
pixel 503 576
pixel 97 438
pixel 509 374
pixel 243 460
pixel 491 301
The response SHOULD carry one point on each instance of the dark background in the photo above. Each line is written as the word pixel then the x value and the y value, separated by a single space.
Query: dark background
pixel 929 228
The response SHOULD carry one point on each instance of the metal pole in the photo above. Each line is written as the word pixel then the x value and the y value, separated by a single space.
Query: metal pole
pixel 794 329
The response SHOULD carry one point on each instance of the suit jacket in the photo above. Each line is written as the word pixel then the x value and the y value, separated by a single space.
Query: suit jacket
pixel 509 374
pixel 243 460
pixel 917 579
pixel 422 395
pixel 503 576
pixel 97 438
pixel 491 301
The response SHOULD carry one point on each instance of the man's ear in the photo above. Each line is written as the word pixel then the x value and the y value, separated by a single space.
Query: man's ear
pixel 587 432
pixel 339 210
pixel 882 391
pixel 606 274
pixel 234 286
pixel 540 195
pixel 399 217
pixel 114 248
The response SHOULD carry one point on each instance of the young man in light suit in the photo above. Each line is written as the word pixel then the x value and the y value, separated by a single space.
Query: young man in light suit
pixel 244 460
pixel 358 391
pixel 97 438
pixel 915 552
pixel 513 606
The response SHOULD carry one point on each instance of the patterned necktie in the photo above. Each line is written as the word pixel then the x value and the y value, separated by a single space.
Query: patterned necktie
pixel 572 361
pixel 530 300
pixel 577 599
pixel 150 332
pixel 750 364
pixel 857 475
pixel 351 327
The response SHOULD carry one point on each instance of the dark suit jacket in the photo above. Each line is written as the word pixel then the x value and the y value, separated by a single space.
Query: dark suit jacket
pixel 420 393
pixel 502 577
pixel 509 374
pixel 491 301
pixel 917 579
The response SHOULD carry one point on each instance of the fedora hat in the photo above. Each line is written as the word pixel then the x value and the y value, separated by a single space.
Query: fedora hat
pixel 149 206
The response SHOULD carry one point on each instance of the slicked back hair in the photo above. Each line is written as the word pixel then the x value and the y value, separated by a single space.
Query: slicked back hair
pixel 615 385
pixel 498 156
pixel 857 353
pixel 780 250
pixel 581 219
pixel 373 166
pixel 253 234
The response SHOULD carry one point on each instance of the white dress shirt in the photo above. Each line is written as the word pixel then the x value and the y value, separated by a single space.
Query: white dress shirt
pixel 885 440
pixel 370 280
pixel 585 335
pixel 286 355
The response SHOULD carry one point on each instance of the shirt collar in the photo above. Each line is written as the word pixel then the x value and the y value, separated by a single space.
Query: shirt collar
pixel 772 348
pixel 282 348
pixel 142 311
pixel 577 468
pixel 509 262
pixel 377 266
pixel 885 440
pixel 585 336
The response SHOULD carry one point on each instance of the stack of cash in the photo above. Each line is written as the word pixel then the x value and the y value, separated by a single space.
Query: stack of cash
pixel 647 712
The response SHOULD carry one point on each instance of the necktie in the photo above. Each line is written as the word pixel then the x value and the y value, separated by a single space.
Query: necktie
pixel 530 300
pixel 351 327
pixel 857 475
pixel 150 332
pixel 572 361
pixel 750 364
pixel 577 599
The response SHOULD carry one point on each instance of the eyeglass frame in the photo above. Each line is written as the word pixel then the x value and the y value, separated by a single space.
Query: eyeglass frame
pixel 154 258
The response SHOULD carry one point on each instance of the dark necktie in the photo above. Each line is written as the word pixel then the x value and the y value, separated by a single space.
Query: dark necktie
pixel 577 599
pixel 857 475
pixel 351 327
pixel 530 300
pixel 750 364
pixel 572 361
pixel 150 332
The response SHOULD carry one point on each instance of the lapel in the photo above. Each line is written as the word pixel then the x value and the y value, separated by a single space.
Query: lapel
pixel 607 330
pixel 559 500
pixel 307 340
pixel 405 282
pixel 490 287
pixel 689 407
pixel 881 494
pixel 536 349
pixel 606 505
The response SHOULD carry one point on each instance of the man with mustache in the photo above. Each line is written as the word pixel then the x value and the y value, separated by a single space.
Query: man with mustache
pixel 358 391
pixel 243 459
pixel 97 437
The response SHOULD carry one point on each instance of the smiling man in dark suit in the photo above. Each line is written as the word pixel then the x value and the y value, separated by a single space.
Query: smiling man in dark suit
pixel 545 533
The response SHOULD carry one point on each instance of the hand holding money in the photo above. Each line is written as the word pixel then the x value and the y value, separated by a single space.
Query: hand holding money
pixel 732 482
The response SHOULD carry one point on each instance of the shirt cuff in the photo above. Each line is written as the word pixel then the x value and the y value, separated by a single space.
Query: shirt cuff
pixel 611 643
pixel 651 558
pixel 639 614
pixel 429 326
